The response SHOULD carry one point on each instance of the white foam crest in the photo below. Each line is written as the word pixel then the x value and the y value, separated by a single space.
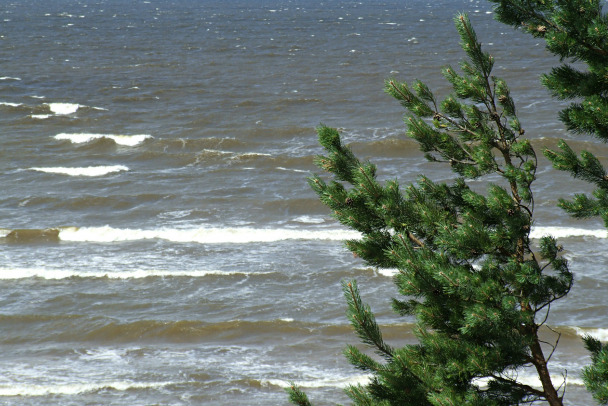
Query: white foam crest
pixel 532 379
pixel 63 108
pixel 309 220
pixel 230 235
pixel 281 168
pixel 251 154
pixel 217 152
pixel 127 140
pixel 390 272
pixel 333 382
pixel 564 232
pixel 75 388
pixel 83 171
pixel 40 116
pixel 201 235
pixel 598 333
pixel 9 78
pixel 176 214
pixel 58 274
pixel 10 104
pixel 523 377
pixel 104 354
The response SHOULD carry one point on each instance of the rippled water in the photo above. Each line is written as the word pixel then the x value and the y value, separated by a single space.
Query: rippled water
pixel 159 242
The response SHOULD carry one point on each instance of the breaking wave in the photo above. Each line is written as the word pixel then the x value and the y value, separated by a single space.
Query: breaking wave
pixel 201 235
pixel 75 388
pixel 126 140
pixel 565 232
pixel 224 235
pixel 83 171
pixel 57 274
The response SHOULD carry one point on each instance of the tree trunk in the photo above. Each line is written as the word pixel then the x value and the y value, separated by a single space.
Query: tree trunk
pixel 543 373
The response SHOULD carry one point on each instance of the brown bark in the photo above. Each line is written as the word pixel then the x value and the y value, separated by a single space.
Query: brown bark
pixel 543 373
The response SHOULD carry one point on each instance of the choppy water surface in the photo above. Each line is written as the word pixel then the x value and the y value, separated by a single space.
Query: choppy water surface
pixel 159 243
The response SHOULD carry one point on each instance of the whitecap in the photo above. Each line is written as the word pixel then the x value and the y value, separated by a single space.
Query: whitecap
pixel 390 272
pixel 250 155
pixel 532 379
pixel 292 170
pixel 203 235
pixel 309 220
pixel 176 214
pixel 235 235
pixel 564 232
pixel 103 354
pixel 126 140
pixel 10 104
pixel 83 171
pixel 332 382
pixel 598 333
pixel 9 78
pixel 75 388
pixel 40 116
pixel 63 108
pixel 216 152
pixel 58 274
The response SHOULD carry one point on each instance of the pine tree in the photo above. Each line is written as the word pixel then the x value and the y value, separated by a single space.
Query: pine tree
pixel 577 32
pixel 479 289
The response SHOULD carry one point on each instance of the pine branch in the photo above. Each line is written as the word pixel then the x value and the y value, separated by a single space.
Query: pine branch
pixel 296 396
pixel 595 375
pixel 522 386
pixel 473 321
pixel 539 24
pixel 363 320
pixel 554 346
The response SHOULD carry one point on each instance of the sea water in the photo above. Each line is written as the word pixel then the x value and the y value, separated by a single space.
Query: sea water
pixel 159 241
